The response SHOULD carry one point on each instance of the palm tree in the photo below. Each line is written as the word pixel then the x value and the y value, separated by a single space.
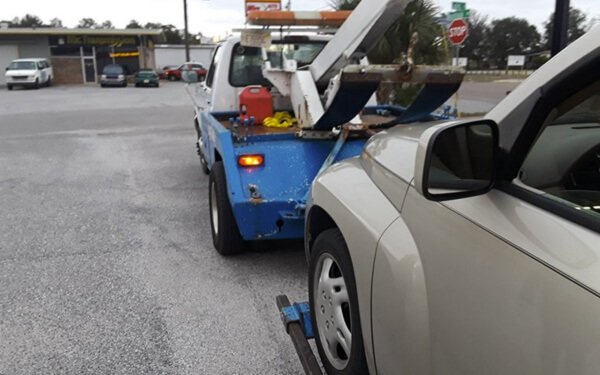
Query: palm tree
pixel 419 16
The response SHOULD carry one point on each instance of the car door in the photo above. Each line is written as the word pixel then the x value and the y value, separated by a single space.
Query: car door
pixel 43 74
pixel 512 277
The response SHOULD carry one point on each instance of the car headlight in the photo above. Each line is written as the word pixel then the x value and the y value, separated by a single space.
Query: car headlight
pixel 121 76
pixel 103 76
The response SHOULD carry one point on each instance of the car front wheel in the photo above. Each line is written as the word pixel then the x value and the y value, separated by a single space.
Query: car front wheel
pixel 225 232
pixel 334 306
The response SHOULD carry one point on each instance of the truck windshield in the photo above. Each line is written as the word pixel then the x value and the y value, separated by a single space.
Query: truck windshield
pixel 246 64
pixel 22 65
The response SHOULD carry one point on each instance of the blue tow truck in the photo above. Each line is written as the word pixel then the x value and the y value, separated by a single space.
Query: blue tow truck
pixel 260 175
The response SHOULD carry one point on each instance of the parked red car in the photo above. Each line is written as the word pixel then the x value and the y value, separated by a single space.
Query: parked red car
pixel 175 74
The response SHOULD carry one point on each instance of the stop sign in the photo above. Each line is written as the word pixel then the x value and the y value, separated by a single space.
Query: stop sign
pixel 458 31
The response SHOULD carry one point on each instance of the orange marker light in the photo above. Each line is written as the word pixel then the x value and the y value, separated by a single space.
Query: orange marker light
pixel 251 160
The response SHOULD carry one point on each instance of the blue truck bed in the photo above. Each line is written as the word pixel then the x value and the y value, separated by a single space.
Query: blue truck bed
pixel 268 201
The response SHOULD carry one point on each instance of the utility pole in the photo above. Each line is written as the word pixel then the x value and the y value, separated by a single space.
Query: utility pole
pixel 185 32
pixel 560 26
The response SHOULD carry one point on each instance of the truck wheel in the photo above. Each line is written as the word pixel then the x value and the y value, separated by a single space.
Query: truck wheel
pixel 225 233
pixel 334 306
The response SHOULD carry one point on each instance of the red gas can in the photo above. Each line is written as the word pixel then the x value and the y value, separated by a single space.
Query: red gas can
pixel 256 101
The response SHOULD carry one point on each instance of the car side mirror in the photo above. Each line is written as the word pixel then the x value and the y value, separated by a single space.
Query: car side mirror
pixel 457 160
pixel 189 76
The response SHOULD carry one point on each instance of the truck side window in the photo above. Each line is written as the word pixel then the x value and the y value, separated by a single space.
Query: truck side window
pixel 564 162
pixel 246 67
pixel 213 66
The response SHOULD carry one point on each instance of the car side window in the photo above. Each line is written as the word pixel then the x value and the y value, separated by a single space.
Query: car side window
pixel 213 66
pixel 246 67
pixel 564 162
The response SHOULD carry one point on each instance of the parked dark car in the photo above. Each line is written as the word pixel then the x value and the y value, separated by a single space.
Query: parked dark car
pixel 146 78
pixel 114 75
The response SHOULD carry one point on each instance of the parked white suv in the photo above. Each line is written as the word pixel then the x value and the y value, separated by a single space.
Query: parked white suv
pixel 29 72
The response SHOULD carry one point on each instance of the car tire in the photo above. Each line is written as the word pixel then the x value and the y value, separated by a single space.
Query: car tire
pixel 225 232
pixel 37 84
pixel 330 257
pixel 9 87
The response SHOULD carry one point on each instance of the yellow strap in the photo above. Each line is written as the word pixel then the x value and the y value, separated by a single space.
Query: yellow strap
pixel 279 120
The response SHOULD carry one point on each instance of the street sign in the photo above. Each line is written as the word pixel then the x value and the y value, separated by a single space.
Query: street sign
pixel 252 5
pixel 516 60
pixel 458 31
pixel 459 10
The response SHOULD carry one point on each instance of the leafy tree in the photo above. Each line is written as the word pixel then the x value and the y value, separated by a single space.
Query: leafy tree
pixel 172 35
pixel 511 36
pixel 55 22
pixel 575 29
pixel 153 25
pixel 106 25
pixel 87 23
pixel 29 20
pixel 133 24
pixel 476 46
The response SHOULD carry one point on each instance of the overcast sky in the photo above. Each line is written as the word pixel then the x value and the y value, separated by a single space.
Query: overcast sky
pixel 216 17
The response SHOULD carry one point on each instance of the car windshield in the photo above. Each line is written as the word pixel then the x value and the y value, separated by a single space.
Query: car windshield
pixel 113 69
pixel 22 65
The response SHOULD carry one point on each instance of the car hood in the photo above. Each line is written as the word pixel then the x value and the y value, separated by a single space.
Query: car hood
pixel 28 72
pixel 395 149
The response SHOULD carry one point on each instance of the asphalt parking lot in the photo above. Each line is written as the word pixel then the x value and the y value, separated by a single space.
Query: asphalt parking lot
pixel 106 261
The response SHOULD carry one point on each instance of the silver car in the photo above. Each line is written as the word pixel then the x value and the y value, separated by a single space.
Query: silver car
pixel 468 247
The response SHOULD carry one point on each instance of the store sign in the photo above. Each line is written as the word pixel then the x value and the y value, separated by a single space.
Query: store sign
pixel 124 54
pixel 254 5
pixel 114 41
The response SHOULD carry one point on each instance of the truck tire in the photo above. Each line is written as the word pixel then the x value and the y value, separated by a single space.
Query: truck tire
pixel 334 306
pixel 225 232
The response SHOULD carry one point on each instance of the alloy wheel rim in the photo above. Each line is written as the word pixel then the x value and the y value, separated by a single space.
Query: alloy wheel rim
pixel 214 212
pixel 332 311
